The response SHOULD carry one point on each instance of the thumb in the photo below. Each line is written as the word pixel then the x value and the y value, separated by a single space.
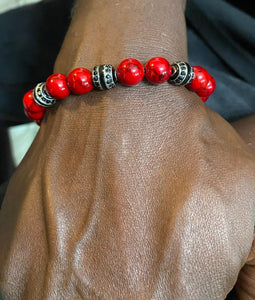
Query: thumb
pixel 245 286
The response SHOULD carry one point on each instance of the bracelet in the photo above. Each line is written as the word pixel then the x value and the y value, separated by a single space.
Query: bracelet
pixel 103 77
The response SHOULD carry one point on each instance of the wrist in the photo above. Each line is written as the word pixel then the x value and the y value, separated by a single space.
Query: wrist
pixel 133 106
pixel 108 33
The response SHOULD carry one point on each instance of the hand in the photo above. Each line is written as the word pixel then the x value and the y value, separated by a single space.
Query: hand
pixel 135 193
pixel 142 202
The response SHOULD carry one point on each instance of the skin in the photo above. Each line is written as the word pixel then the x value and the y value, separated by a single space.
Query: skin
pixel 246 282
pixel 133 193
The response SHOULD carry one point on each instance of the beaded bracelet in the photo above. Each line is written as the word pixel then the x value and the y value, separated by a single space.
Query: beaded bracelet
pixel 130 72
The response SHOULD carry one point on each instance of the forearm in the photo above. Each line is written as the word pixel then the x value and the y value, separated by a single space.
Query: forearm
pixel 107 32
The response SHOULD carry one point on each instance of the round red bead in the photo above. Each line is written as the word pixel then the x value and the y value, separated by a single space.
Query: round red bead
pixel 208 89
pixel 203 83
pixel 56 86
pixel 30 104
pixel 130 71
pixel 158 70
pixel 200 80
pixel 34 115
pixel 203 77
pixel 79 81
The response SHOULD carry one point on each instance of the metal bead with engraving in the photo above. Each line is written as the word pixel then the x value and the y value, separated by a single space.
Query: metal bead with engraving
pixel 182 73
pixel 104 77
pixel 42 97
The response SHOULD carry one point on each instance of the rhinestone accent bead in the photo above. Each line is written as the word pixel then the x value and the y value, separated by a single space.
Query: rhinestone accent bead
pixel 42 97
pixel 104 77
pixel 182 73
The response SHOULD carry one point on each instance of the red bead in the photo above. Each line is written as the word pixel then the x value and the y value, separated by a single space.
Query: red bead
pixel 203 83
pixel 30 104
pixel 79 81
pixel 208 89
pixel 194 84
pixel 57 87
pixel 130 71
pixel 34 115
pixel 202 93
pixel 158 70
pixel 205 98
pixel 200 80
pixel 38 122
pixel 203 77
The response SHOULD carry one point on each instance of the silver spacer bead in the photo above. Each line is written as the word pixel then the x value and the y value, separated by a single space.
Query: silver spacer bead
pixel 42 97
pixel 104 77
pixel 182 73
